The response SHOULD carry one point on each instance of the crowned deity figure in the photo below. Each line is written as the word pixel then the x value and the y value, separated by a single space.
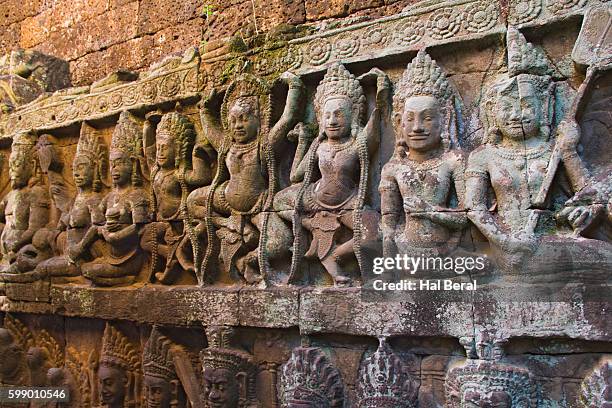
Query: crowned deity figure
pixel 385 381
pixel 125 209
pixel 229 374
pixel 162 386
pixel 119 376
pixel 236 207
pixel 513 167
pixel 175 169
pixel 488 383
pixel 27 205
pixel 422 185
pixel 78 224
pixel 333 207
pixel 309 380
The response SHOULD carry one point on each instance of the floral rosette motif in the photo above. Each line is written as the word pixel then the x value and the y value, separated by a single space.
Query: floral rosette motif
pixel 148 91
pixel 116 100
pixel 191 80
pixel 85 107
pixel 102 103
pixel 318 51
pixel 346 45
pixel 561 6
pixel 480 16
pixel 291 58
pixel 523 11
pixel 130 95
pixel 170 85
pixel 375 36
pixel 409 31
pixel 444 23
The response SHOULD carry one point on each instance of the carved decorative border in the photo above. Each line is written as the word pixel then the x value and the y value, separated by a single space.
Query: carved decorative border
pixel 58 111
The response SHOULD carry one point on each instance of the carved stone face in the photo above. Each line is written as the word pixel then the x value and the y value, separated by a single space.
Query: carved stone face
pixel 20 169
pixel 82 172
pixel 337 118
pixel 244 121
pixel 221 388
pixel 120 168
pixel 10 357
pixel 490 399
pixel 420 123
pixel 165 150
pixel 157 392
pixel 518 112
pixel 112 383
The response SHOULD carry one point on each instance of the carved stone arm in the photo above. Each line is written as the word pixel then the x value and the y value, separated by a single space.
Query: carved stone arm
pixel 372 128
pixel 292 111
pixel 297 173
pixel 210 122
pixel 304 141
pixel 478 213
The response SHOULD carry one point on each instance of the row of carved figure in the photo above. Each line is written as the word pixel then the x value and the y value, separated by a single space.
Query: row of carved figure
pixel 223 208
pixel 165 375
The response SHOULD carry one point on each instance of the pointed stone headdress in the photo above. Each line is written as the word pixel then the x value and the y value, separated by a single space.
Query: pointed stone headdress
pixel 118 351
pixel 422 77
pixel 524 57
pixel 92 147
pixel 385 381
pixel 485 376
pixel 158 356
pixel 127 136
pixel 338 82
pixel 309 377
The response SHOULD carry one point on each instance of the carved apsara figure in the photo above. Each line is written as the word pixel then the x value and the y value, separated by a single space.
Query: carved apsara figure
pixel 26 206
pixel 79 222
pixel 234 206
pixel 229 374
pixel 125 208
pixel 309 380
pixel 483 383
pixel 333 207
pixel 386 382
pixel 515 162
pixel 119 372
pixel 422 185
pixel 175 170
pixel 596 389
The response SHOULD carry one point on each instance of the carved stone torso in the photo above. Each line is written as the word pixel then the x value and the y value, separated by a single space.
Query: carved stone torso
pixel 167 190
pixel 432 181
pixel 516 178
pixel 17 211
pixel 84 209
pixel 247 182
pixel 339 167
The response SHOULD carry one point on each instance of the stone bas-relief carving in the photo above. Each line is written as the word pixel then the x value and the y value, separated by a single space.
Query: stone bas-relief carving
pixel 426 167
pixel 333 208
pixel 310 380
pixel 285 182
pixel 125 209
pixel 233 207
pixel 515 160
pixel 489 383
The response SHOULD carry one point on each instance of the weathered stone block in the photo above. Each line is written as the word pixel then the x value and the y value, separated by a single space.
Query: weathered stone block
pixel 155 15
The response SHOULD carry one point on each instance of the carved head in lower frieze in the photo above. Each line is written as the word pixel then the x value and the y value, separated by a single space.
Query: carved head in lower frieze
pixel 309 380
pixel 245 111
pixel 424 106
pixel 478 384
pixel 340 103
pixel 119 370
pixel 229 374
pixel 520 104
pixel 175 137
pixel 161 385
pixel 385 382
pixel 23 163
pixel 12 355
pixel 126 155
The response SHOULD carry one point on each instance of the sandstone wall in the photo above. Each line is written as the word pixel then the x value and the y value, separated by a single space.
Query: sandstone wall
pixel 98 37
